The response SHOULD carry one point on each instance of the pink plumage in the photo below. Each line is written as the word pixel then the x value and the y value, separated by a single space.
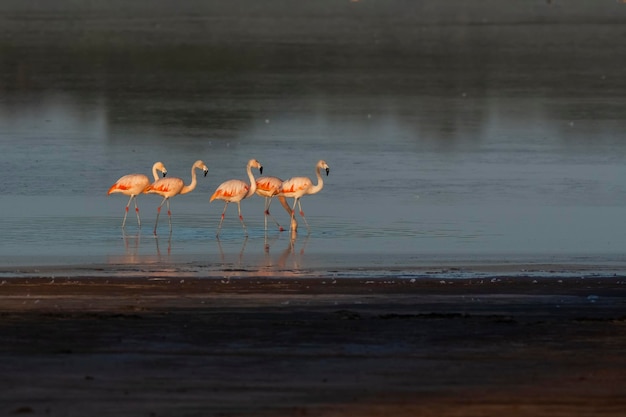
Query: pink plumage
pixel 133 185
pixel 170 187
pixel 297 187
pixel 269 187
pixel 233 191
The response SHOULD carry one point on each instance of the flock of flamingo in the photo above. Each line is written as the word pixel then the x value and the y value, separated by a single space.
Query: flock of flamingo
pixel 231 191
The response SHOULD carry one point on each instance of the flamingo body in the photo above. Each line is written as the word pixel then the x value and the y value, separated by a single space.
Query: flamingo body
pixel 297 187
pixel 133 185
pixel 170 187
pixel 166 187
pixel 233 191
pixel 269 187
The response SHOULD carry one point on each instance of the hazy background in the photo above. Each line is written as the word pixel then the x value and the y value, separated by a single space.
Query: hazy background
pixel 456 129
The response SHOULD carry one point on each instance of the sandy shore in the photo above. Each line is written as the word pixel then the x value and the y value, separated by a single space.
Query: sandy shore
pixel 314 347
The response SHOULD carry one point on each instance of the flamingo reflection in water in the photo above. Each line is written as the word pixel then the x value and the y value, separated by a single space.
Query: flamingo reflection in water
pixel 169 246
pixel 289 253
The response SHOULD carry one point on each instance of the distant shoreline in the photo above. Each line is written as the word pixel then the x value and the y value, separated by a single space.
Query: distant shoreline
pixel 350 272
pixel 178 289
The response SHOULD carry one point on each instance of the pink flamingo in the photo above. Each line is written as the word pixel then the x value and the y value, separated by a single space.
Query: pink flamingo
pixel 169 187
pixel 268 187
pixel 233 191
pixel 133 185
pixel 297 187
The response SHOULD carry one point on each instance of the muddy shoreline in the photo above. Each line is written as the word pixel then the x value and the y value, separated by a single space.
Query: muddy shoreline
pixel 321 347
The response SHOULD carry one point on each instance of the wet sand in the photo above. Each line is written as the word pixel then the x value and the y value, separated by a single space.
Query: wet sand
pixel 314 347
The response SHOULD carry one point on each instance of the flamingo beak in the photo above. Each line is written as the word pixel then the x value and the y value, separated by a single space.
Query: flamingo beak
pixel 206 171
pixel 164 173
pixel 327 171
pixel 261 169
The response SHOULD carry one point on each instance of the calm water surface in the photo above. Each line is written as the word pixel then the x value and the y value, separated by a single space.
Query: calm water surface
pixel 454 134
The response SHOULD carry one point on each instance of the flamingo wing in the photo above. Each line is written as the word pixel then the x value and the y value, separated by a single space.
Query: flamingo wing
pixel 295 185
pixel 165 186
pixel 130 184
pixel 268 186
pixel 231 190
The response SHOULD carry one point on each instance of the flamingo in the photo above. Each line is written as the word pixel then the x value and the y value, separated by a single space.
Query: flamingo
pixel 268 187
pixel 133 185
pixel 297 187
pixel 233 191
pixel 169 187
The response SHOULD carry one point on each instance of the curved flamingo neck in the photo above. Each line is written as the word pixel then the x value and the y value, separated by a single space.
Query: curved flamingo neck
pixel 252 189
pixel 192 185
pixel 155 174
pixel 320 182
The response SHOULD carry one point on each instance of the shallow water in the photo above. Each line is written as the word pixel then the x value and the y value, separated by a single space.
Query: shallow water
pixel 454 134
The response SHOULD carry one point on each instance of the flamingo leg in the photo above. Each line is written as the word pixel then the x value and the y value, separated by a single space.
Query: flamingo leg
pixel 245 231
pixel 169 214
pixel 268 201
pixel 137 212
pixel 302 215
pixel 293 214
pixel 159 212
pixel 126 211
pixel 219 228
pixel 283 202
pixel 267 211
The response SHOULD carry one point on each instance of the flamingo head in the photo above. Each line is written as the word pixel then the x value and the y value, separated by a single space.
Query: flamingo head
pixel 160 167
pixel 253 163
pixel 200 165
pixel 323 165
